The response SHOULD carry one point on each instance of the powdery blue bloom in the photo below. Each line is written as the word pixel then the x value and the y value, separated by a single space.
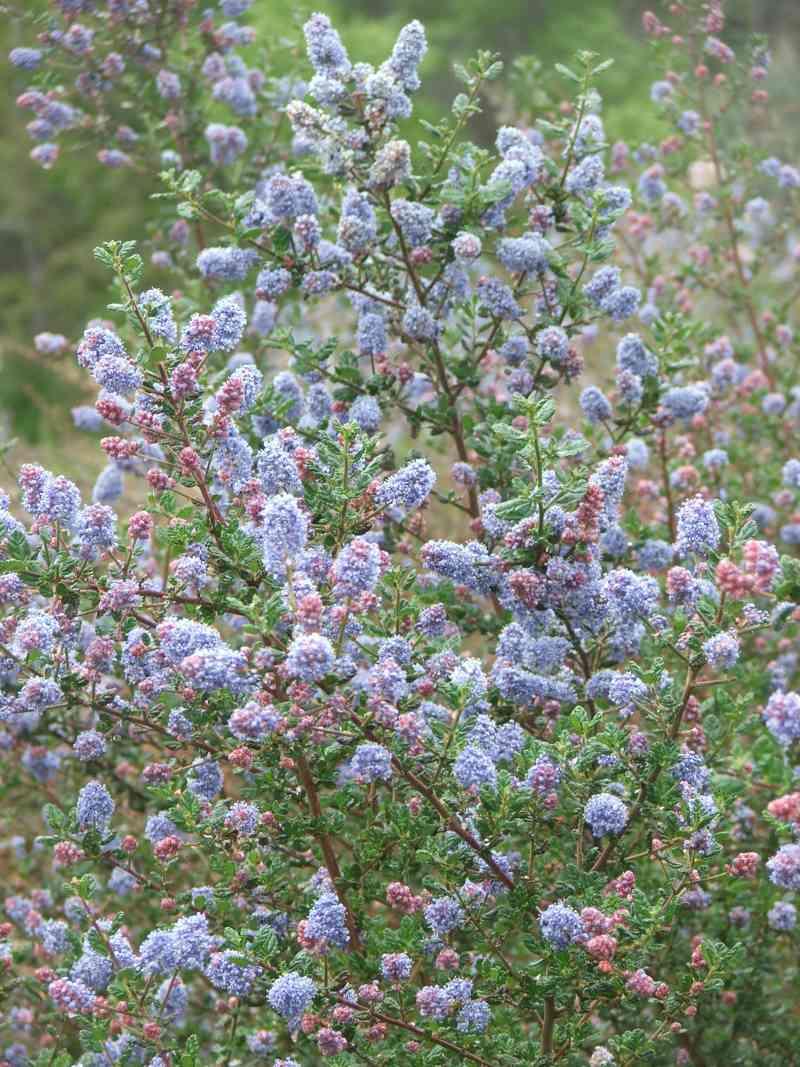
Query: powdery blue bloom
pixel 414 220
pixel 722 650
pixel 514 350
pixel 434 1002
pixel 715 459
pixel 87 418
pixel 789 177
pixel 552 343
pixel 633 356
pixel 272 283
pixel 237 93
pixel 638 453
pixel 443 915
pixel 226 263
pixel 89 745
pixel 284 532
pixel 310 657
pixel 229 976
pixel 689 122
pixel 631 596
pixel 544 777
pixel 93 969
pixel 409 487
pixel 326 52
pixel 95 807
pixel 605 814
pixel 371 763
pixel 782 916
pixel 466 246
pixel 684 402
pixel 253 722
pixel 74 998
pixel 168 84
pixel 604 282
pixel 790 533
pixel 526 254
pixel 651 184
pixel 774 404
pixel 655 555
pixel 510 742
pixel 595 405
pixel 466 564
pixel 432 621
pixel 498 299
pixel 157 953
pixel 124 956
pixel 117 375
pixel 160 320
pixel 782 717
pixel 327 921
pixel 698 529
pixel 356 569
pixel 692 770
pixel 625 690
pixel 192 941
pixel 225 143
pixel 419 323
pixel 392 165
pixel 319 403
pixel 180 638
pixel 396 648
pixel 365 412
pixel 121 882
pixel 289 394
pixel 358 225
pixel 585 176
pixel 791 474
pixel 25 58
pixel 277 469
pixel 211 669
pixel 53 935
pixel 158 827
pixel 243 818
pixel 483 732
pixel 205 780
pixel 784 867
pixel 474 1017
pixel 290 995
pixel 407 54
pixel 561 926
pixel 621 303
pixel 396 966
pixel 371 338
pixel 387 679
pixel 473 768
pixel 248 381
pixel 262 1042
pixel 229 324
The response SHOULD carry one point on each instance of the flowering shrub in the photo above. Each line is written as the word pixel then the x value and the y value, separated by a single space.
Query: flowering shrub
pixel 421 714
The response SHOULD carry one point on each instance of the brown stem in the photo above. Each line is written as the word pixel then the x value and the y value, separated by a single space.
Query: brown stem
pixel 662 453
pixel 548 1025
pixel 454 823
pixel 328 851
pixel 434 1038
pixel 648 784
pixel 727 216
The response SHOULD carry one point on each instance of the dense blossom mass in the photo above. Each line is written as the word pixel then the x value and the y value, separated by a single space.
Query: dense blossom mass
pixel 420 683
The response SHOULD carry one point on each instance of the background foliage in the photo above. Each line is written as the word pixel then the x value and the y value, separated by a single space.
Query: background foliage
pixel 49 222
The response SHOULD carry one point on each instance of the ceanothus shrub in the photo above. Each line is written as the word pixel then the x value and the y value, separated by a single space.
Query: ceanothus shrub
pixel 420 684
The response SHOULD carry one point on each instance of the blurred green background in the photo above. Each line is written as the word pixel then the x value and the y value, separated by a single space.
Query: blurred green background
pixel 50 221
